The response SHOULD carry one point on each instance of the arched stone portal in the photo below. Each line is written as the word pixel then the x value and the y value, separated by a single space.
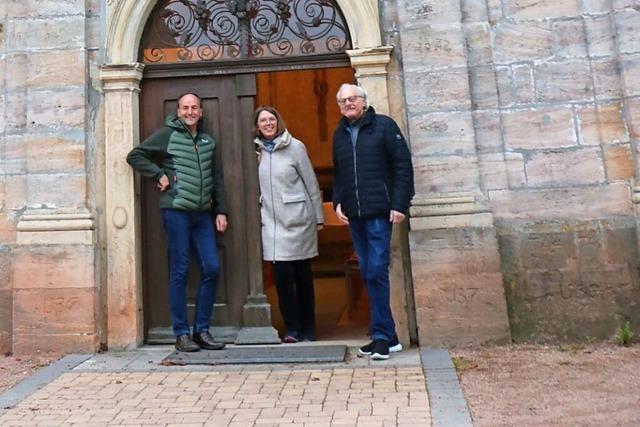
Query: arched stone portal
pixel 121 76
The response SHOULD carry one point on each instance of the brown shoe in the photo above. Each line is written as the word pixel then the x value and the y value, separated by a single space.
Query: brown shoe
pixel 184 343
pixel 206 341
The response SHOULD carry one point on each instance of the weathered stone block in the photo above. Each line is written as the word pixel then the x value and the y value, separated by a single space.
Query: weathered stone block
pixel 14 8
pixel 438 90
pixel 561 168
pixel 433 46
pixel 15 107
pixel 49 267
pixel 54 343
pixel 540 9
pixel 633 115
pixel 505 86
pixel 628 36
pixel 442 133
pixel 523 83
pixel 70 190
pixel 6 319
pixel 458 287
pixel 474 11
pixel 17 68
pixel 46 33
pixel 522 41
pixel 569 290
pixel 569 39
pixel 5 266
pixel 49 8
pixel 493 171
pixel 602 125
pixel 57 109
pixel 600 36
pixel 7 229
pixel 618 161
pixel 57 69
pixel 578 203
pixel 564 81
pixel 606 77
pixel 593 7
pixel 419 13
pixel 445 174
pixel 494 10
pixel 515 170
pixel 478 39
pixel 15 191
pixel 537 129
pixel 630 67
pixel 488 132
pixel 53 311
pixel 15 155
pixel 482 83
pixel 54 154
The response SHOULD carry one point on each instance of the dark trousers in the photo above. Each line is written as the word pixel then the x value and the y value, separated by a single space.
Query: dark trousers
pixel 294 283
pixel 191 231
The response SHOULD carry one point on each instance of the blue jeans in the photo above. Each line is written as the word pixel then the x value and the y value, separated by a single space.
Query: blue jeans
pixel 186 231
pixel 372 242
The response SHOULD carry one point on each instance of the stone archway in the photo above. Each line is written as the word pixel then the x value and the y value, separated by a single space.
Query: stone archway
pixel 121 76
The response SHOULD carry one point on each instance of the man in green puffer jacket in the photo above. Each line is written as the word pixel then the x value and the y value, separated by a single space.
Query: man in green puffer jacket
pixel 180 158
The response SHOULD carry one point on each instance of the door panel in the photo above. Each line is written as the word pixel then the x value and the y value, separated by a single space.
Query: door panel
pixel 228 120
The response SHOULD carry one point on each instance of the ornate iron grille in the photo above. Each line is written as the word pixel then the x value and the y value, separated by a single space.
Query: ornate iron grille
pixel 205 30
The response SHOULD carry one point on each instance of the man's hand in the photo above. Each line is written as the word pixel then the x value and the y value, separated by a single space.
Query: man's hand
pixel 319 226
pixel 221 222
pixel 396 217
pixel 163 183
pixel 341 217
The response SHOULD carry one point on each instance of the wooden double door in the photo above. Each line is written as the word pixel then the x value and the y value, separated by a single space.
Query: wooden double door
pixel 228 104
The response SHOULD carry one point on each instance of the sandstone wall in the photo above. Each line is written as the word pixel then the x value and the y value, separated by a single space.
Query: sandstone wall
pixel 48 276
pixel 533 107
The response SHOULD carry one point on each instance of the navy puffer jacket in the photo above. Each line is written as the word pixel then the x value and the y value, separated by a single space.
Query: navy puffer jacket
pixel 376 175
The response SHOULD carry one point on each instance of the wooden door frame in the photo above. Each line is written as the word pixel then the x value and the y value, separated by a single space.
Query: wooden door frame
pixel 121 76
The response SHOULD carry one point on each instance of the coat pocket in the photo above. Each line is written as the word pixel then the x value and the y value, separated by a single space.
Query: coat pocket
pixel 295 213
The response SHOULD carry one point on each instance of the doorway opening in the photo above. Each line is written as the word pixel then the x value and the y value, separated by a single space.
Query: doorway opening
pixel 306 100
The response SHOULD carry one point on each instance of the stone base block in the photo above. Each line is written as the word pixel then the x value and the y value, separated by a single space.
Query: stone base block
pixel 54 343
pixel 458 287
pixel 570 280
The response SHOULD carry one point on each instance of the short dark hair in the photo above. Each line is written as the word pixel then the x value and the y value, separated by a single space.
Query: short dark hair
pixel 190 93
pixel 282 126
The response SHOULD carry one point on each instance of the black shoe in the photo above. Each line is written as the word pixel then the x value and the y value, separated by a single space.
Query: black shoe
pixel 184 343
pixel 308 337
pixel 394 346
pixel 206 341
pixel 380 350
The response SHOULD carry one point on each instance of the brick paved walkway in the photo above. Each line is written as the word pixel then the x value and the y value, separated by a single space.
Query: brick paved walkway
pixel 333 396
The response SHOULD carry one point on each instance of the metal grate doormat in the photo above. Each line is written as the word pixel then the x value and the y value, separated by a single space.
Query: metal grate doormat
pixel 265 354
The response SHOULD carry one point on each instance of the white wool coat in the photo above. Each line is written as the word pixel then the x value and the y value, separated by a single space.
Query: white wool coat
pixel 290 201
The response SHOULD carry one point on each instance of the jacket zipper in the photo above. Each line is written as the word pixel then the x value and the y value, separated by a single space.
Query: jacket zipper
pixel 355 173
pixel 273 205
pixel 197 148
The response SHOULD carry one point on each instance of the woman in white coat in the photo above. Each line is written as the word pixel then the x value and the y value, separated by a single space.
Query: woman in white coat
pixel 291 211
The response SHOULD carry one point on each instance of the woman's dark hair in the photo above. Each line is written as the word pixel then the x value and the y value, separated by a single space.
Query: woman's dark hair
pixel 282 126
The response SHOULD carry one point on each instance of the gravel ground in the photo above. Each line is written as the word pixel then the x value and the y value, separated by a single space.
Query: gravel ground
pixel 563 385
pixel 14 369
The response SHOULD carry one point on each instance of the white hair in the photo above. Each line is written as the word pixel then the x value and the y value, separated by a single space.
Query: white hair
pixel 359 90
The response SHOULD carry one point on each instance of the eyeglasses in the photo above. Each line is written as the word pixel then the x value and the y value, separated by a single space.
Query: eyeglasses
pixel 350 99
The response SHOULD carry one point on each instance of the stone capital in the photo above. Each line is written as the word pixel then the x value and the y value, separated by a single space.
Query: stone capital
pixel 370 62
pixel 121 77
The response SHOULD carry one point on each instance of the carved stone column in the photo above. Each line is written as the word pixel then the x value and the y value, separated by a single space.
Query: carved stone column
pixel 121 86
pixel 370 67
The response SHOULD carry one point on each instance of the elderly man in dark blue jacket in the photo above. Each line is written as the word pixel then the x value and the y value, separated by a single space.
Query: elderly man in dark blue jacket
pixel 372 189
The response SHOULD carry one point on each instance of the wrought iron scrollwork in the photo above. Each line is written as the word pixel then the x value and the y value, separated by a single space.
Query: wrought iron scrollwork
pixel 205 30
